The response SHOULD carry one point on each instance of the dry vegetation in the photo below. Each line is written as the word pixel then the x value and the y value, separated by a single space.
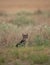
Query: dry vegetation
pixel 15 5
pixel 37 49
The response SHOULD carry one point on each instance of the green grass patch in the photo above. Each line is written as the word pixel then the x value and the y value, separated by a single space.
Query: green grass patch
pixel 39 41
pixel 23 20
pixel 39 59
pixel 2 60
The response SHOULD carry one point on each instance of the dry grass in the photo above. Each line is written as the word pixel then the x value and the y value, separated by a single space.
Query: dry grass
pixel 28 55
pixel 37 49
pixel 15 5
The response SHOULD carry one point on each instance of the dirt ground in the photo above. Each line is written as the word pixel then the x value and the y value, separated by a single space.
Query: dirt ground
pixel 15 5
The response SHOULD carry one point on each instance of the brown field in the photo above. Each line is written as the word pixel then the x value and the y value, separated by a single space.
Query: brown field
pixel 30 17
pixel 14 5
